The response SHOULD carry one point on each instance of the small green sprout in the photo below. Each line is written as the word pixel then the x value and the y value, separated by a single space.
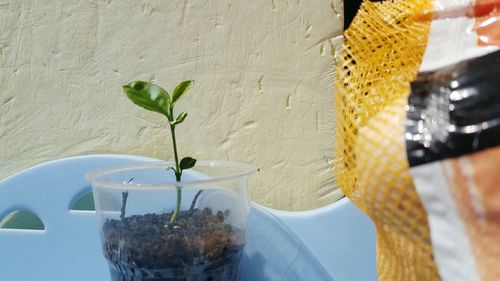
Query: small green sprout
pixel 154 98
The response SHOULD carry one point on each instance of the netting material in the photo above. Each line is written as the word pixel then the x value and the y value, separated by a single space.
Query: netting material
pixel 382 53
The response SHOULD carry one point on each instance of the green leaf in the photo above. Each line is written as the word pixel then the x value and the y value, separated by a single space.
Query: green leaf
pixel 180 118
pixel 182 88
pixel 187 163
pixel 149 96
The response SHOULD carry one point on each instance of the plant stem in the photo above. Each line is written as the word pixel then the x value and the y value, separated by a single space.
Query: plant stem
pixel 178 175
pixel 177 205
pixel 193 204
pixel 124 204
pixel 178 172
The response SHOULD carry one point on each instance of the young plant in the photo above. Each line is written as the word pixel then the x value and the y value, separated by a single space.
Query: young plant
pixel 154 98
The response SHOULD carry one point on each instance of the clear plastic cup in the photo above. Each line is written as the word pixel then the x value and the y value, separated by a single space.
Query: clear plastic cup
pixel 135 205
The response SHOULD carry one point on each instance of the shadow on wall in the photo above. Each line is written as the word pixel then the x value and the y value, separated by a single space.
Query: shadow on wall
pixel 350 9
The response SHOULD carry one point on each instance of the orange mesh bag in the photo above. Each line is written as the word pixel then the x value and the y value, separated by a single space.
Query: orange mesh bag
pixel 385 47
pixel 382 53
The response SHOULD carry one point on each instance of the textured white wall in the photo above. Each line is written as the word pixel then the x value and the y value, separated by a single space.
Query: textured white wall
pixel 264 74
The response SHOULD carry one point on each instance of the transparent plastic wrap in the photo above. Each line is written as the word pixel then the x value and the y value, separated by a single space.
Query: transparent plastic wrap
pixel 453 144
pixel 454 111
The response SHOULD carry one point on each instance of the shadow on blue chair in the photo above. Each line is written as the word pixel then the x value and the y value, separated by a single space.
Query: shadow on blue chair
pixel 336 242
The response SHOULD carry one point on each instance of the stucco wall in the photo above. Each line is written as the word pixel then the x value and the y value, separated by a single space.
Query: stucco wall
pixel 264 74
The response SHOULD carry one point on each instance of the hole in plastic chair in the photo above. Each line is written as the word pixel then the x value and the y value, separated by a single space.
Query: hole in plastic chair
pixel 84 203
pixel 22 220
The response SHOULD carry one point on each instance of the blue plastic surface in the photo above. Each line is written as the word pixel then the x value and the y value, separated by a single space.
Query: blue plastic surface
pixel 340 236
pixel 332 243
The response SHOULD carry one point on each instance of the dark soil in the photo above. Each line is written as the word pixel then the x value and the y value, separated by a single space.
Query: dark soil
pixel 199 246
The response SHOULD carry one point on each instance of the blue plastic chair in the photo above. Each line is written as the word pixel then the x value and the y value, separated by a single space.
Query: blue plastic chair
pixel 336 242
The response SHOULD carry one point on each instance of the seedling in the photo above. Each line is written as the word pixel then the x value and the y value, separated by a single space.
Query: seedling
pixel 154 98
